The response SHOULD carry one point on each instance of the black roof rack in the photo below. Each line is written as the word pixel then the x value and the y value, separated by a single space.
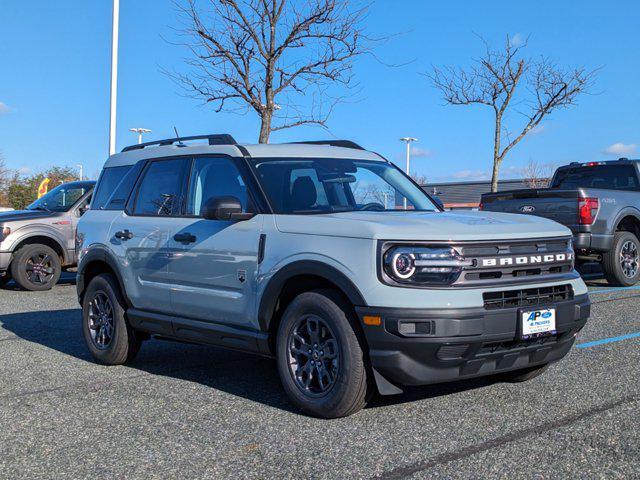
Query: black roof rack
pixel 220 139
pixel 333 143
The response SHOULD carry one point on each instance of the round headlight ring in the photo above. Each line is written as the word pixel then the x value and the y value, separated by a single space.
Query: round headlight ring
pixel 402 264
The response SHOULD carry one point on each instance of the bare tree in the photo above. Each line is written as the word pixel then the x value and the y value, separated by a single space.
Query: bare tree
pixel 504 78
pixel 537 175
pixel 277 58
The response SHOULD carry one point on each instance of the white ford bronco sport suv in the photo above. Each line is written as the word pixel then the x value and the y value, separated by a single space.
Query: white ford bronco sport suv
pixel 305 252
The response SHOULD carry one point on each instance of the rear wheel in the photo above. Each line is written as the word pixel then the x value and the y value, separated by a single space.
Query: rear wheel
pixel 320 359
pixel 36 267
pixel 621 264
pixel 107 333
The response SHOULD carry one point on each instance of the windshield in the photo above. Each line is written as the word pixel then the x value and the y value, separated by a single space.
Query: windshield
pixel 613 177
pixel 308 186
pixel 60 199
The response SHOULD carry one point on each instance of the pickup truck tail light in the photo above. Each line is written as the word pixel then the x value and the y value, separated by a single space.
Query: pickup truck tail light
pixel 587 210
pixel 481 206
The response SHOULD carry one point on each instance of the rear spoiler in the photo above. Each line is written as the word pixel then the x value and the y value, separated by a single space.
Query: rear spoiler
pixel 530 193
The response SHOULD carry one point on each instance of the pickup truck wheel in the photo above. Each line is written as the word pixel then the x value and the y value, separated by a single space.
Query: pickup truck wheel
pixel 621 264
pixel 36 267
pixel 320 360
pixel 107 333
pixel 525 375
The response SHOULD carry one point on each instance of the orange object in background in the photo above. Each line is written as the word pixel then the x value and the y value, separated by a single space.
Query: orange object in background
pixel 43 188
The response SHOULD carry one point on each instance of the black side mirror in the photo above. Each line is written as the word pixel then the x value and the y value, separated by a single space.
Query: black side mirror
pixel 438 201
pixel 224 208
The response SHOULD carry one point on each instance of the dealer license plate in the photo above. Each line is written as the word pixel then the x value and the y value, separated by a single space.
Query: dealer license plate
pixel 537 323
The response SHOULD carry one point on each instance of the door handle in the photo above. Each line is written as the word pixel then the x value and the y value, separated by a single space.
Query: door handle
pixel 124 235
pixel 184 238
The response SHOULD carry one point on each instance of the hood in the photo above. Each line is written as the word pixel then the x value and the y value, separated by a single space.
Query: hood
pixel 19 215
pixel 455 226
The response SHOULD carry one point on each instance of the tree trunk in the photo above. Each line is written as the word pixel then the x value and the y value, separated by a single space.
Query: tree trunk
pixel 265 128
pixel 496 153
pixel 494 176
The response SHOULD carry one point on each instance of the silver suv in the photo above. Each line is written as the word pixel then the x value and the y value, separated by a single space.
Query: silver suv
pixel 307 253
pixel 36 244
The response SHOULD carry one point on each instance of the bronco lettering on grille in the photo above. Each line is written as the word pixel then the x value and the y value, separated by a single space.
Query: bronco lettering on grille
pixel 526 260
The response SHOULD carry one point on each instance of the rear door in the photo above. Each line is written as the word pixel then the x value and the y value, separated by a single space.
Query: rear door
pixel 214 263
pixel 139 235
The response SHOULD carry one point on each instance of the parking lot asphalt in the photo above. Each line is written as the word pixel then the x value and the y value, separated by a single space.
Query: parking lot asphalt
pixel 186 411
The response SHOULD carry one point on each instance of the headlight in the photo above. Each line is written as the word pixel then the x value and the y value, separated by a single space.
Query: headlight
pixel 422 265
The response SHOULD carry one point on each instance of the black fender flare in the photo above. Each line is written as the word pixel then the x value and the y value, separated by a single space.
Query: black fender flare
pixel 625 212
pixel 272 291
pixel 101 254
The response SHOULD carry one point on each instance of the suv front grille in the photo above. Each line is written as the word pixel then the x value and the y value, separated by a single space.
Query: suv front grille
pixel 529 297
pixel 514 260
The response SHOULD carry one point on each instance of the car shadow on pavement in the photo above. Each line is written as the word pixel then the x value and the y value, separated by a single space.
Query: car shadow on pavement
pixel 67 278
pixel 248 376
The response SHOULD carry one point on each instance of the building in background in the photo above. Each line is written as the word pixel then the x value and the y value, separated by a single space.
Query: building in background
pixel 466 195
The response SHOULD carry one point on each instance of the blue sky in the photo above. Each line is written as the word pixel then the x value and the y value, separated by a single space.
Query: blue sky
pixel 54 86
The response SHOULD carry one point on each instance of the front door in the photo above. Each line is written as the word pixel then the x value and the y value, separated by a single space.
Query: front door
pixel 139 237
pixel 213 265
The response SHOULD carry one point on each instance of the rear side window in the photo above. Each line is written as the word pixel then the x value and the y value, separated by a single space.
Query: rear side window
pixel 109 180
pixel 159 193
pixel 611 177
pixel 118 199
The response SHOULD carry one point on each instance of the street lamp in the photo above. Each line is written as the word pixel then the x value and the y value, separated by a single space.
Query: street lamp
pixel 408 141
pixel 79 165
pixel 114 76
pixel 140 132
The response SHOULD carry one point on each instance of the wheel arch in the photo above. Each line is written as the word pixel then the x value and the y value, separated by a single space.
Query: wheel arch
pixel 628 220
pixel 96 261
pixel 296 278
pixel 35 238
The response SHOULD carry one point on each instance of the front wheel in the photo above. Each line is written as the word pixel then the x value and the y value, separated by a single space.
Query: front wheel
pixel 320 359
pixel 36 267
pixel 107 333
pixel 621 264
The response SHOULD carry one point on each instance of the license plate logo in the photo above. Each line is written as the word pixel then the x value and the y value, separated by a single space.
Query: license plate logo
pixel 536 323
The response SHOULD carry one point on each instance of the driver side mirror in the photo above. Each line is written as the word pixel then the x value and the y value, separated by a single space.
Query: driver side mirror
pixel 438 201
pixel 224 208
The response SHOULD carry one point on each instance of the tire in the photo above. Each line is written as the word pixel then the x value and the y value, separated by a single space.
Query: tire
pixel 36 267
pixel 625 244
pixel 347 372
pixel 110 338
pixel 525 375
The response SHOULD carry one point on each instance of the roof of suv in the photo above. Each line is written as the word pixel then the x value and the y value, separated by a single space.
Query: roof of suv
pixel 286 150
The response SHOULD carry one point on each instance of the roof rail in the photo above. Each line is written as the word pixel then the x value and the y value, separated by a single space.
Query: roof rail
pixel 333 143
pixel 219 139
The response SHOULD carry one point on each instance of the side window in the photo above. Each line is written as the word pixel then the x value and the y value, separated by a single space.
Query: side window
pixel 109 180
pixel 119 197
pixel 214 177
pixel 160 188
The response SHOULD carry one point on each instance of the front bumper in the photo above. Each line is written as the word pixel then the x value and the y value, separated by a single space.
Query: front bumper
pixel 466 343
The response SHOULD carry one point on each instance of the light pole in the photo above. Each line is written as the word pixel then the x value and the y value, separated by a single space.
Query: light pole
pixel 408 141
pixel 140 132
pixel 79 165
pixel 114 76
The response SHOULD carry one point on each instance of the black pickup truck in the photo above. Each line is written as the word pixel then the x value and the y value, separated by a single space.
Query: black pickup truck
pixel 599 202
